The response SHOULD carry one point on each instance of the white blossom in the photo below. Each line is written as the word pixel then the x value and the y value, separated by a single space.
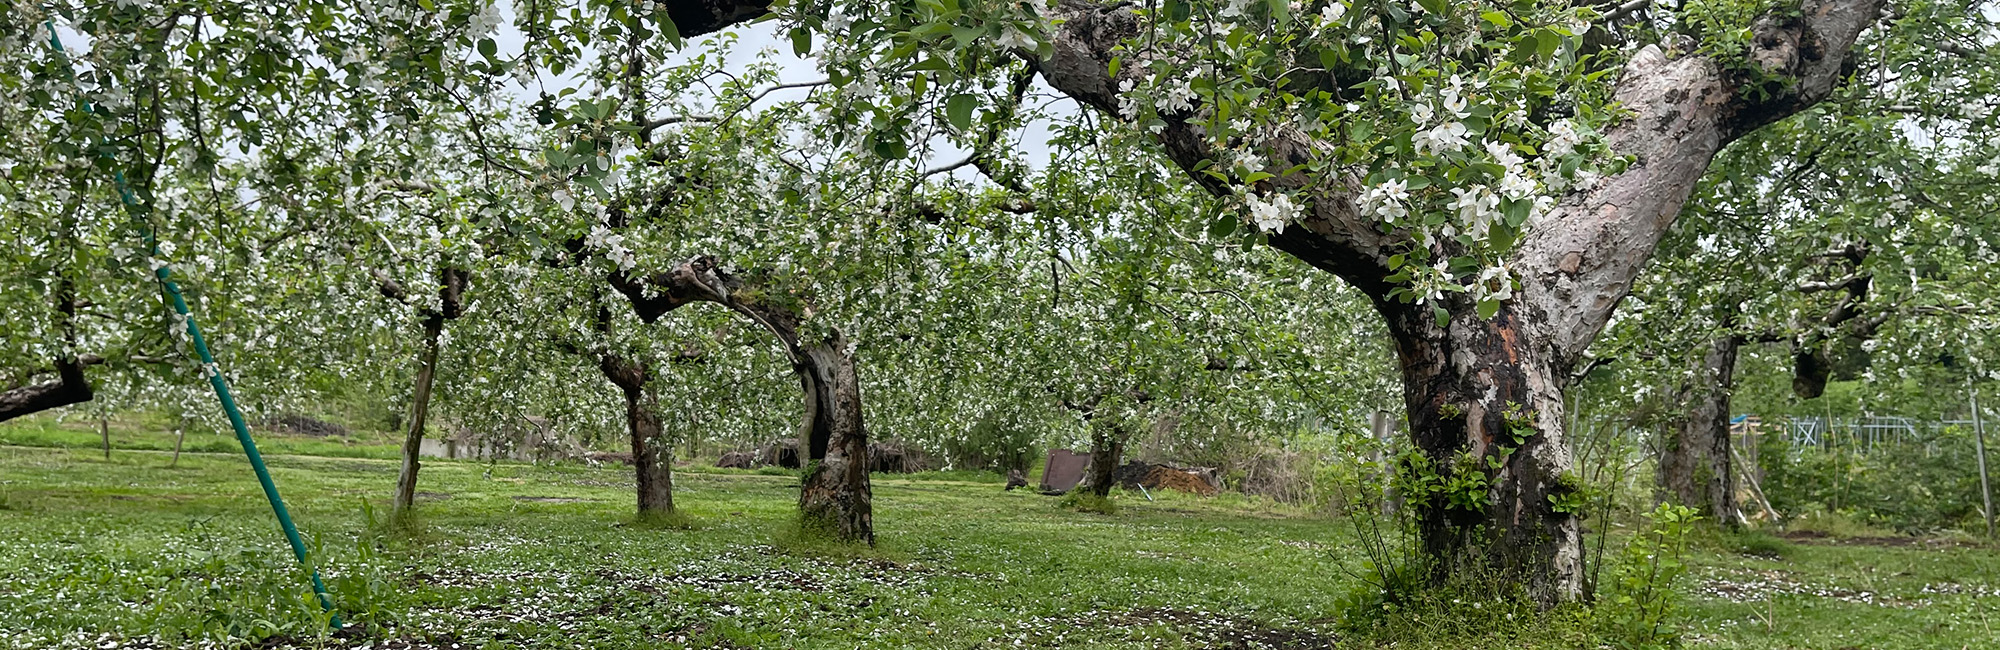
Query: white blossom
pixel 1128 107
pixel 485 22
pixel 1011 38
pixel 1386 200
pixel 837 22
pixel 1332 13
pixel 1443 138
pixel 1178 99
pixel 1271 216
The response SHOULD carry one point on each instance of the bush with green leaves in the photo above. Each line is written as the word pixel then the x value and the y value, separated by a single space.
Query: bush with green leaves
pixel 1638 608
pixel 1919 485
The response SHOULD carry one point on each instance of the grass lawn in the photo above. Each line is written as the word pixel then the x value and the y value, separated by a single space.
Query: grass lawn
pixel 131 553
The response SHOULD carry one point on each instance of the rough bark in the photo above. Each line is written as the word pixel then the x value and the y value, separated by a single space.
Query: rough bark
pixel 1107 445
pixel 70 387
pixel 451 293
pixel 834 495
pixel 1481 397
pixel 1576 263
pixel 652 456
pixel 1696 469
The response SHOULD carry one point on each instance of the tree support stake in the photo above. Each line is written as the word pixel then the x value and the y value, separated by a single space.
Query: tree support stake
pixel 164 274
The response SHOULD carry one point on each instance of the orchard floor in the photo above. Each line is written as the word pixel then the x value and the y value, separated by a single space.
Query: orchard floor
pixel 132 553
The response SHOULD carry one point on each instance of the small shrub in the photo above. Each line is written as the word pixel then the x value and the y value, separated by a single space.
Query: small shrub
pixel 1086 501
pixel 1636 612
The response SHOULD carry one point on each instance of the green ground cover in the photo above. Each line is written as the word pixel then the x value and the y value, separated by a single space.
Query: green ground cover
pixel 132 553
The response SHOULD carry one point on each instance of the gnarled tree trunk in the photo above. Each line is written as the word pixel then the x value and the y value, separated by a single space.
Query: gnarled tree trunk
pixel 652 454
pixel 1695 465
pixel 1484 400
pixel 1575 263
pixel 835 495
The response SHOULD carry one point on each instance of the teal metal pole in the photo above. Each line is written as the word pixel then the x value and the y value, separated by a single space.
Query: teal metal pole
pixel 164 274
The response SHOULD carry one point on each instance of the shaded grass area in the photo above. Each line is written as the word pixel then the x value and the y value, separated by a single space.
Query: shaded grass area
pixel 519 556
pixel 143 432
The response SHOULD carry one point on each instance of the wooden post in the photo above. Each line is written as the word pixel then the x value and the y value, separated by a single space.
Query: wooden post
pixel 104 428
pixel 1979 448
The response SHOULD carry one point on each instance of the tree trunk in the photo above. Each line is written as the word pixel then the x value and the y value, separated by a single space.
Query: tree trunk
pixel 104 429
pixel 652 454
pixel 835 496
pixel 1575 264
pixel 1695 465
pixel 1485 408
pixel 1107 445
pixel 420 409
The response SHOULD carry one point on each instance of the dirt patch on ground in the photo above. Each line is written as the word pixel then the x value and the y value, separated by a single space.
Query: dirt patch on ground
pixel 1816 537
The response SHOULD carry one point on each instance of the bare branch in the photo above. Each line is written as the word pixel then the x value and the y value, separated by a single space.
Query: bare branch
pixel 1623 10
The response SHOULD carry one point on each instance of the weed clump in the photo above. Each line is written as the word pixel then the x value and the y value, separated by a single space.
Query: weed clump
pixel 671 520
pixel 1081 501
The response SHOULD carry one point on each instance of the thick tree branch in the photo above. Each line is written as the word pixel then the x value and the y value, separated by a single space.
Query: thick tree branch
pixel 70 388
pixel 1579 260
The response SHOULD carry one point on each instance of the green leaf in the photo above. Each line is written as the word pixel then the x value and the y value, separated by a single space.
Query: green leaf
pixel 1178 10
pixel 802 41
pixel 1223 226
pixel 1436 7
pixel 1498 18
pixel 958 109
pixel 1546 42
pixel 1443 317
pixel 964 37
pixel 487 48
pixel 667 28
pixel 1488 307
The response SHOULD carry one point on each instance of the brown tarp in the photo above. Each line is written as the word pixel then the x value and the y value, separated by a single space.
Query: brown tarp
pixel 1063 470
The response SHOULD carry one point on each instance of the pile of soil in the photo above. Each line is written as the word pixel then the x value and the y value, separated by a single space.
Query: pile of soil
pixel 1154 476
pixel 737 460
